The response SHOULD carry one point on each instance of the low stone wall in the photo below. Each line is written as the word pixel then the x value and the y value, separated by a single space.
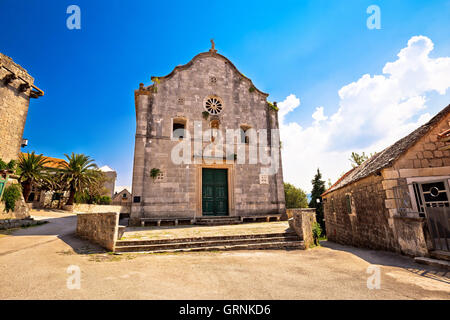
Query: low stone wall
pixel 100 228
pixel 97 208
pixel 18 223
pixel 302 221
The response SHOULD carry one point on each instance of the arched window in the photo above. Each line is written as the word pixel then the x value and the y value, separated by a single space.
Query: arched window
pixel 244 135
pixel 178 128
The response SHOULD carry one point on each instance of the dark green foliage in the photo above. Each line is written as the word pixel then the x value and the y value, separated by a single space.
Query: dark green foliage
pixel 205 115
pixel 251 89
pixel 154 173
pixel 317 233
pixel 11 166
pixel 78 173
pixel 317 190
pixel 10 196
pixel 295 197
pixel 105 200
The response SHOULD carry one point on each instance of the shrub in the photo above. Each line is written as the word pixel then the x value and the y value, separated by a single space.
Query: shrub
pixel 104 200
pixel 154 173
pixel 317 232
pixel 10 196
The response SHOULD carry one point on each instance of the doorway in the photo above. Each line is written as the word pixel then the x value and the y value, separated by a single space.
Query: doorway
pixel 214 192
pixel 435 199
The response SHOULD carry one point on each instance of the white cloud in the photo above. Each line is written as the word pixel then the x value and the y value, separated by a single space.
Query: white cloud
pixel 318 115
pixel 374 112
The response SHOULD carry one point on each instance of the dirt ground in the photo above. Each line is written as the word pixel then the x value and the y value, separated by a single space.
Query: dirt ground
pixel 34 264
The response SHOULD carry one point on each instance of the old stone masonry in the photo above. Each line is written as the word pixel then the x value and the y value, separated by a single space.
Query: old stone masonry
pixel 207 94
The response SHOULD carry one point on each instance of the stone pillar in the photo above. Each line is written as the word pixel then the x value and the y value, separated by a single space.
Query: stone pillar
pixel 302 221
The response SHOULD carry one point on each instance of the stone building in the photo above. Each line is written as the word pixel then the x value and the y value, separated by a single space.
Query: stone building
pixel 122 198
pixel 191 108
pixel 16 89
pixel 398 200
pixel 110 183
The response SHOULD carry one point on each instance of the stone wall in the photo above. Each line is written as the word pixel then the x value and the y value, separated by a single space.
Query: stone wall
pixel 367 224
pixel 97 208
pixel 182 96
pixel 100 228
pixel 13 108
pixel 302 221
pixel 383 210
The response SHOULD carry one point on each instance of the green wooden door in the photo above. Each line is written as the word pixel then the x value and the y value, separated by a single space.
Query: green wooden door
pixel 214 192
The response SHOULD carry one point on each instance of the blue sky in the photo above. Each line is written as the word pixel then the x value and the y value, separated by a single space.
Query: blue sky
pixel 310 49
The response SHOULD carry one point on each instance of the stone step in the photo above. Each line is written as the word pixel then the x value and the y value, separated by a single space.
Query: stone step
pixel 198 244
pixel 122 243
pixel 218 221
pixel 440 255
pixel 249 246
pixel 433 262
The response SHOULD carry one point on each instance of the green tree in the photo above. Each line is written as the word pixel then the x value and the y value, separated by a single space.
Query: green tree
pixel 78 173
pixel 316 199
pixel 31 170
pixel 295 197
pixel 357 159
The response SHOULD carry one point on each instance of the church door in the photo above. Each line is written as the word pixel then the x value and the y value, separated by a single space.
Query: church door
pixel 214 192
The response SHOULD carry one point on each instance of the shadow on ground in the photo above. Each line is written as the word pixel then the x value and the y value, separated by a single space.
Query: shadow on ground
pixel 61 227
pixel 385 258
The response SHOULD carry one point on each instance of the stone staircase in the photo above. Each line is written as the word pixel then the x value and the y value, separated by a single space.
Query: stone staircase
pixel 286 240
pixel 438 258
pixel 217 221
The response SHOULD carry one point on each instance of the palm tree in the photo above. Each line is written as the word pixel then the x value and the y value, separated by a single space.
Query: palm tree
pixel 78 172
pixel 31 169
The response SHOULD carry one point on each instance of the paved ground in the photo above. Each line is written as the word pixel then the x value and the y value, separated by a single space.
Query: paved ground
pixel 34 261
pixel 190 231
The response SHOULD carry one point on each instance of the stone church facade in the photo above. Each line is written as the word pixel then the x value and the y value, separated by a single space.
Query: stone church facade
pixel 207 95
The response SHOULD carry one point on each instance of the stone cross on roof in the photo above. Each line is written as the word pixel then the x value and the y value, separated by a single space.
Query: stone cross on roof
pixel 213 46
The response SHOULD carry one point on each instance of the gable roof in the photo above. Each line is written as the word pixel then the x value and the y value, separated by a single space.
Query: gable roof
pixel 201 55
pixel 389 155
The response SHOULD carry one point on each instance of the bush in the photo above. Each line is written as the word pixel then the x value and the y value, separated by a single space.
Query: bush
pixel 10 196
pixel 104 200
pixel 317 233
pixel 8 166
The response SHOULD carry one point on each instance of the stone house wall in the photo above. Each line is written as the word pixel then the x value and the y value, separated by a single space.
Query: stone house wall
pixel 181 96
pixel 13 109
pixel 380 219
pixel 368 223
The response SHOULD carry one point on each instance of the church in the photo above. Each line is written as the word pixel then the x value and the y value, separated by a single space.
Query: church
pixel 206 147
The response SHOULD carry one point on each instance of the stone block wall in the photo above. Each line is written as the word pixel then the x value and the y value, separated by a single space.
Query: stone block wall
pixel 100 228
pixel 97 208
pixel 13 108
pixel 368 223
pixel 302 221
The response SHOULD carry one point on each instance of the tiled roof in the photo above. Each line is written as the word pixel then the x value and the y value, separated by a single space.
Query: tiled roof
pixel 53 163
pixel 386 157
